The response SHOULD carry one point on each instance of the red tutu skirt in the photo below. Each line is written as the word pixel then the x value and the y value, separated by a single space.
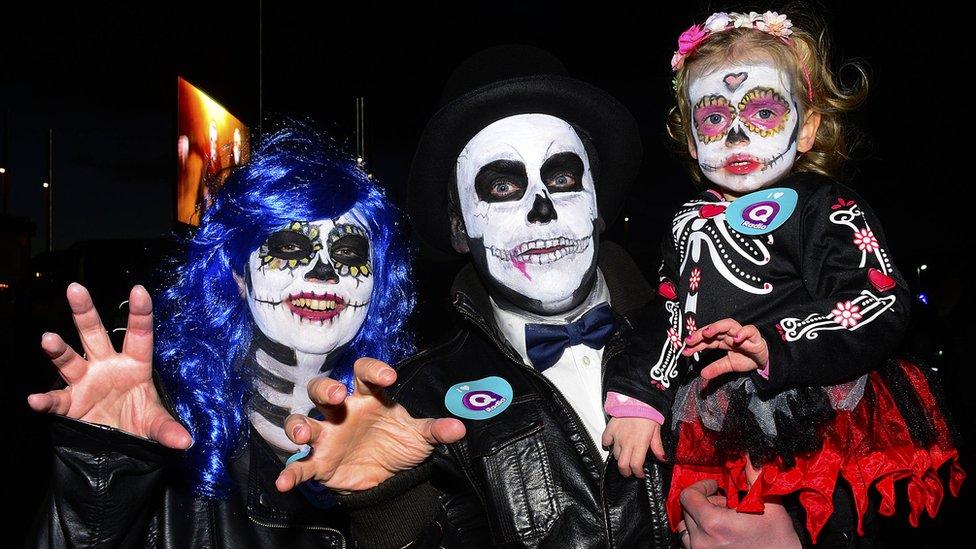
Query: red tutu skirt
pixel 868 446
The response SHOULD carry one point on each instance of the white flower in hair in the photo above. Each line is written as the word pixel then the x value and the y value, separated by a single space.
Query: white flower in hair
pixel 718 21
pixel 775 24
pixel 747 20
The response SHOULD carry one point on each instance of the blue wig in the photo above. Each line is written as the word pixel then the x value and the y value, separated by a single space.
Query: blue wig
pixel 204 325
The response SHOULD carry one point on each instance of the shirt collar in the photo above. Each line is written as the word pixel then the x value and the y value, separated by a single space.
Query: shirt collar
pixel 511 321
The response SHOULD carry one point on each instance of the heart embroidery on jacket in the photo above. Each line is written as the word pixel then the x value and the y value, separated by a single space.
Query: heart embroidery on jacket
pixel 880 281
pixel 709 211
pixel 667 290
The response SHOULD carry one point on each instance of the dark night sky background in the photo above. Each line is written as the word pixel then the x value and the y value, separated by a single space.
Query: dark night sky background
pixel 104 78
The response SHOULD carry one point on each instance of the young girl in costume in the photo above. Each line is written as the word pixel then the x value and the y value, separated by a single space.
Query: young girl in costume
pixel 781 305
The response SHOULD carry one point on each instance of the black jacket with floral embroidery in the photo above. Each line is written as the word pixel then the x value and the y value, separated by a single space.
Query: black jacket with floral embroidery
pixel 821 288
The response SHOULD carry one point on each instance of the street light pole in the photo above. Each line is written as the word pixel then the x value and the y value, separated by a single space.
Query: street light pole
pixel 49 190
pixel 361 131
pixel 3 165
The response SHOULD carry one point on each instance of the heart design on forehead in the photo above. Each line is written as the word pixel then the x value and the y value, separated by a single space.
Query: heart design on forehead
pixel 734 80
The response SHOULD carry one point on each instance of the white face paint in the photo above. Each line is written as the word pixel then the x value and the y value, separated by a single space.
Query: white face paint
pixel 527 196
pixel 745 125
pixel 310 284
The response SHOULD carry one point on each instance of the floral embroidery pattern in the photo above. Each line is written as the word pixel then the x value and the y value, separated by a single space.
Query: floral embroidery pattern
pixel 847 314
pixel 848 214
pixel 695 279
pixel 665 369
pixel 690 324
pixel 865 240
pixel 674 338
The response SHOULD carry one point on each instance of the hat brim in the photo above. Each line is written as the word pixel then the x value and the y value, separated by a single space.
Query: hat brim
pixel 609 125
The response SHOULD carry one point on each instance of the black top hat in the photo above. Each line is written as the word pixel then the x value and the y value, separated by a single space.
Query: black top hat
pixel 502 82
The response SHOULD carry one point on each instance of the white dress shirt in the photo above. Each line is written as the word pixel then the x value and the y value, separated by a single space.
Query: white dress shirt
pixel 578 372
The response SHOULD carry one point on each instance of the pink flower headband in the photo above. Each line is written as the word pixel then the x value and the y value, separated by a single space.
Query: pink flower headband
pixel 770 22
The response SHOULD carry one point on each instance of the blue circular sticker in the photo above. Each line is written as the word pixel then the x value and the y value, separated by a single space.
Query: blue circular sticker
pixel 479 399
pixel 761 212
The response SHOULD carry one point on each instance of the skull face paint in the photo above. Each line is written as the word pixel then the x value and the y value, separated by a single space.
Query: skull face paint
pixel 528 201
pixel 309 284
pixel 745 125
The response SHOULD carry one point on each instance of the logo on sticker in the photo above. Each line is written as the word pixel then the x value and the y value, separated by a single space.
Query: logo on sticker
pixel 479 399
pixel 761 212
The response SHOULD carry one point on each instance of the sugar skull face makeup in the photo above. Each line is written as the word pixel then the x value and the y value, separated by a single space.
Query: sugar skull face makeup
pixel 309 284
pixel 528 201
pixel 745 123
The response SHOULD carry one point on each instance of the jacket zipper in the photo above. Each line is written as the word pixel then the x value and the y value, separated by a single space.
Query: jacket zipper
pixel 342 538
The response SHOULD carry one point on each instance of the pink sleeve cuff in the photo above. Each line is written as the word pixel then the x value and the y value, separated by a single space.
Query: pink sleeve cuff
pixel 764 372
pixel 619 405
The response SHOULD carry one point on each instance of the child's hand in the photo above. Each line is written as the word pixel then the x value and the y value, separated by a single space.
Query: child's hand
pixel 747 350
pixel 630 437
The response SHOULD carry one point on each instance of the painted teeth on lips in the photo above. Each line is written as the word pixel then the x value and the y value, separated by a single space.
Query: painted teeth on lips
pixel 317 303
pixel 541 252
pixel 543 246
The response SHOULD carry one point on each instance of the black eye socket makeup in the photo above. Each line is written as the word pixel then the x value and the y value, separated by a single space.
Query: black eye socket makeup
pixel 563 172
pixel 351 250
pixel 289 244
pixel 291 247
pixel 501 181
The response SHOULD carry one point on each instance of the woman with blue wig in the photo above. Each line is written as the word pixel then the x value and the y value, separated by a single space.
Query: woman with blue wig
pixel 297 270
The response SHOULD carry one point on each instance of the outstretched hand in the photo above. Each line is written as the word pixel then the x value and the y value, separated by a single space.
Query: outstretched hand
pixel 747 350
pixel 365 438
pixel 108 387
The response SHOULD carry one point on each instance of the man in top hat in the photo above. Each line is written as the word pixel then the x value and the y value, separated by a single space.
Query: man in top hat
pixel 521 168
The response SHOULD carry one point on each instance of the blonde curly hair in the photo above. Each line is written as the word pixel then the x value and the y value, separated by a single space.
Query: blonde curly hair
pixel 806 48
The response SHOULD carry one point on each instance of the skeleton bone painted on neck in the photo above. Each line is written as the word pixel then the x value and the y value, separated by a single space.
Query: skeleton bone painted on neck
pixel 308 290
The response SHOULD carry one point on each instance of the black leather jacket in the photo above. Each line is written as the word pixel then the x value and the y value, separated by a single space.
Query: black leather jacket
pixel 112 489
pixel 530 476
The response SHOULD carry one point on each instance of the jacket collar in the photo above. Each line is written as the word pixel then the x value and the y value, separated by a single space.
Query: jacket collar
pixel 511 321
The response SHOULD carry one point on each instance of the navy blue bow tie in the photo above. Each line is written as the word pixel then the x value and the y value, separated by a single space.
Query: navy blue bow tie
pixel 545 342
